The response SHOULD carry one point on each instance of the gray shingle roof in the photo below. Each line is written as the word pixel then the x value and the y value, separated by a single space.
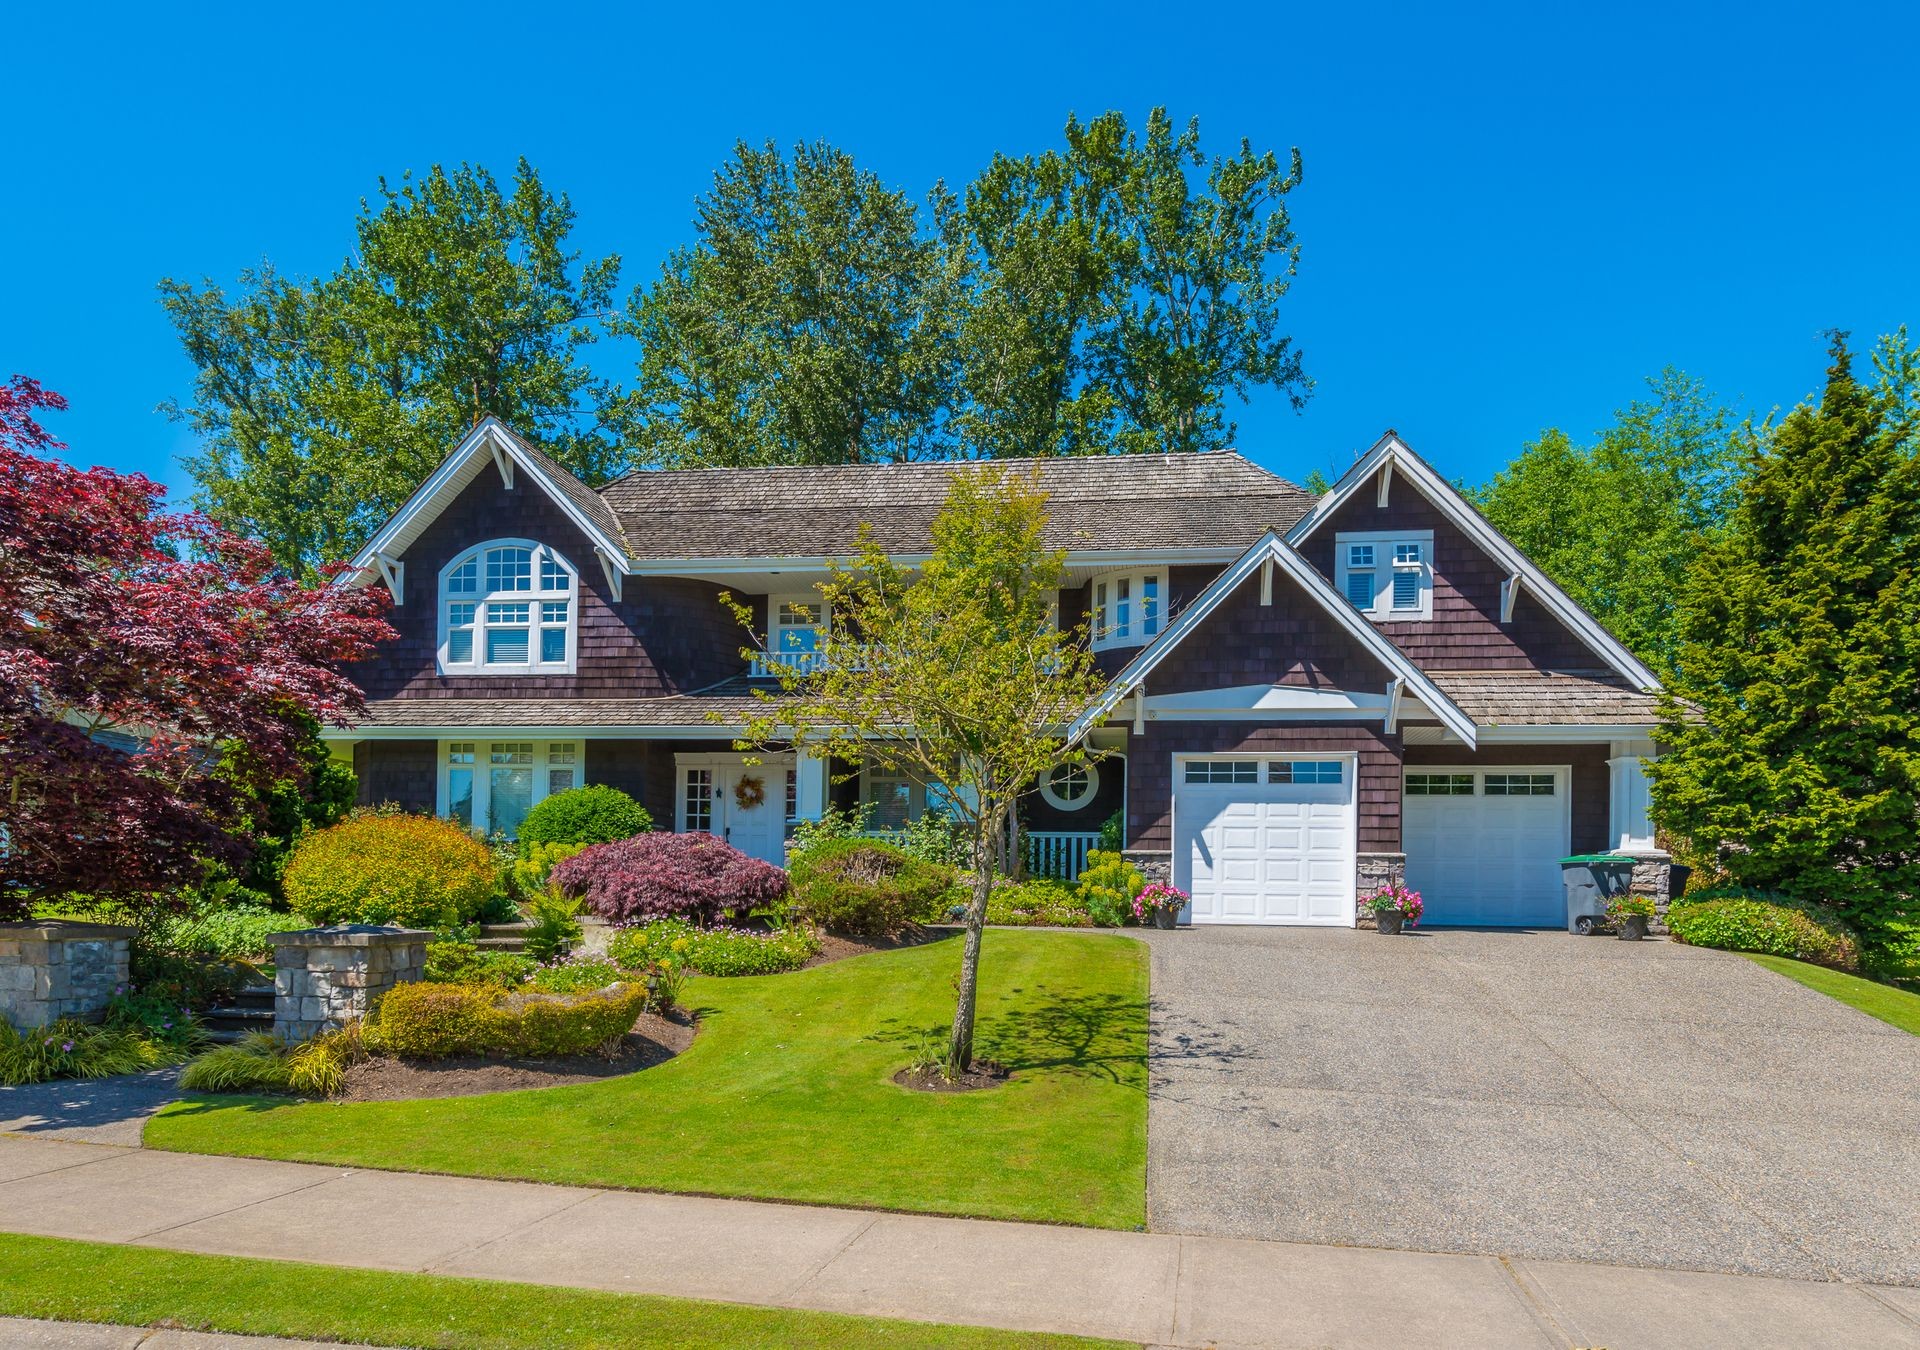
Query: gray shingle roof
pixel 1538 697
pixel 1121 502
pixel 731 700
pixel 569 484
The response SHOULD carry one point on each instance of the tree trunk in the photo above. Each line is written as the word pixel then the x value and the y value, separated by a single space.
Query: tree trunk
pixel 960 1044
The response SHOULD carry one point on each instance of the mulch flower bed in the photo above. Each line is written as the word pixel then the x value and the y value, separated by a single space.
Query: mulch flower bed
pixel 835 947
pixel 983 1073
pixel 653 1040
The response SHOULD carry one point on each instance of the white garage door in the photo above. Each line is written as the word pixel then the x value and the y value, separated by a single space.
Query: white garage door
pixel 1484 845
pixel 1265 840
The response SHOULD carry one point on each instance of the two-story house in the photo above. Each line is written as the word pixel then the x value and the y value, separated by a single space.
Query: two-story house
pixel 1308 695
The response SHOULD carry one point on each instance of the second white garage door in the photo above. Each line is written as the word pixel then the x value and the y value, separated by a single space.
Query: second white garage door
pixel 1484 845
pixel 1267 840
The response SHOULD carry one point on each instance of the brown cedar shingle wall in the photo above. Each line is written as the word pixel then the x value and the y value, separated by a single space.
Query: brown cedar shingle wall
pixel 1150 766
pixel 1590 787
pixel 1292 641
pixel 1465 632
pixel 402 772
pixel 666 637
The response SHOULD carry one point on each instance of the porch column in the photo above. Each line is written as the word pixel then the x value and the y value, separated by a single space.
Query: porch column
pixel 810 786
pixel 1630 797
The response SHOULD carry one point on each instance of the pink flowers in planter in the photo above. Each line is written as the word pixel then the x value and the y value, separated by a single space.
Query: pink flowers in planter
pixel 1158 896
pixel 668 876
pixel 1394 899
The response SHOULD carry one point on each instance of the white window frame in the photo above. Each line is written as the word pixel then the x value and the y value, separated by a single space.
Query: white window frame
pixel 1384 545
pixel 481 597
pixel 1058 800
pixel 1132 619
pixel 815 604
pixel 571 755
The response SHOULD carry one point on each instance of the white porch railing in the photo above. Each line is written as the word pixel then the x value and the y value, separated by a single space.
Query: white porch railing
pixel 769 664
pixel 1060 853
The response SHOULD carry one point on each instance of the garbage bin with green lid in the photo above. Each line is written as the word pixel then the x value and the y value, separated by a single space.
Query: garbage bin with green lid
pixel 1590 880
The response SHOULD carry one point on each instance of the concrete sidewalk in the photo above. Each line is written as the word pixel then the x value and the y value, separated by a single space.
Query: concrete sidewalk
pixel 23 1333
pixel 1153 1288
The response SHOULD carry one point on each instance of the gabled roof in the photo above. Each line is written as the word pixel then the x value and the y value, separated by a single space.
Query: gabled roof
pixel 1393 455
pixel 1125 504
pixel 484 449
pixel 1272 549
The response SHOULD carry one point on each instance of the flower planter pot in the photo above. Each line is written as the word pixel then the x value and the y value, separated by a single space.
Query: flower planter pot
pixel 1163 918
pixel 1389 920
pixel 1633 927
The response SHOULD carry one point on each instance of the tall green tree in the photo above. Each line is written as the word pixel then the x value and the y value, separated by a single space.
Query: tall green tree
pixel 808 325
pixel 322 404
pixel 1792 729
pixel 954 675
pixel 1617 524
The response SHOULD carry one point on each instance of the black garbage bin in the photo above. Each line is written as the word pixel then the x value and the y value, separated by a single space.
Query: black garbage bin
pixel 1590 880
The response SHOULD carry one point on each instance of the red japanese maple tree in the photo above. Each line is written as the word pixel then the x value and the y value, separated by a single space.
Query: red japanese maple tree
pixel 135 646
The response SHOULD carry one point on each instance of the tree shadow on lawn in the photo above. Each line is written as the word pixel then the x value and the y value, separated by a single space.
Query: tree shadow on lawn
pixel 1099 1035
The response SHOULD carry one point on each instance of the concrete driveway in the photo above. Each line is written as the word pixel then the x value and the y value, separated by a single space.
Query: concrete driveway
pixel 1529 1094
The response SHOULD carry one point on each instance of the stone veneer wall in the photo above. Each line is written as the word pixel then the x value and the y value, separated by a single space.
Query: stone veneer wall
pixel 1653 878
pixel 326 977
pixel 54 968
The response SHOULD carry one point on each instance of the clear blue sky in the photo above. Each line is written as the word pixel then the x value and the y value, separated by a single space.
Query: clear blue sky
pixel 1510 216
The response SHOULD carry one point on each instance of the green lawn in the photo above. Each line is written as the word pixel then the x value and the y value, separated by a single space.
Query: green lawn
pixel 1896 1007
pixel 137 1286
pixel 786 1095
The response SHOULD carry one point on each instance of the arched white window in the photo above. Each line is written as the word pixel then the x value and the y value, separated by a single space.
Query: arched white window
pixel 508 607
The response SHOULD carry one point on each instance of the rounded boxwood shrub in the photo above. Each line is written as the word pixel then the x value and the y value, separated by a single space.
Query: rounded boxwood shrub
pixel 866 887
pixel 596 814
pixel 668 876
pixel 414 871
pixel 1748 921
pixel 433 1021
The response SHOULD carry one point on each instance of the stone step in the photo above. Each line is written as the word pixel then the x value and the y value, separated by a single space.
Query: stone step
pixel 492 930
pixel 238 1019
pixel 228 1036
pixel 501 944
pixel 255 996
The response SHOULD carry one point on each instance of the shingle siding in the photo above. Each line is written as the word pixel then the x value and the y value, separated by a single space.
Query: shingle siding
pixel 1293 641
pixel 400 772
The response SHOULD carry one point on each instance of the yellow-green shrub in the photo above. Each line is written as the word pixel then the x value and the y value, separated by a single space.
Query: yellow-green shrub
pixel 415 871
pixel 432 1021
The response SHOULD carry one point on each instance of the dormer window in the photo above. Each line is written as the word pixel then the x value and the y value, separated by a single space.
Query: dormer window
pixel 1129 608
pixel 1386 575
pixel 508 607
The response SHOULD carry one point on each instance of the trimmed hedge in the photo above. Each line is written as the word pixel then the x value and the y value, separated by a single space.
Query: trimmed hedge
pixel 464 963
pixel 596 814
pixel 415 871
pixel 714 951
pixel 1746 921
pixel 432 1021
pixel 668 876
pixel 866 887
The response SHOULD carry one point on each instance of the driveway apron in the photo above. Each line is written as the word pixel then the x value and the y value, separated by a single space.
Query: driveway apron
pixel 1528 1094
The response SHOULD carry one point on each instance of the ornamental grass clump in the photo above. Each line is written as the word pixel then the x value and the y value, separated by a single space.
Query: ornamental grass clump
pixel 695 877
pixel 69 1048
pixel 390 868
pixel 261 1062
pixel 1749 921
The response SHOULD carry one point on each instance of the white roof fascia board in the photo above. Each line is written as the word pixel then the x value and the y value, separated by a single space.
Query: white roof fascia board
pixel 753 563
pixel 489 439
pixel 1540 733
pixel 1390 453
pixel 1317 587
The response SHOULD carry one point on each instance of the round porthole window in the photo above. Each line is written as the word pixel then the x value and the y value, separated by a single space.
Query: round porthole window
pixel 1071 786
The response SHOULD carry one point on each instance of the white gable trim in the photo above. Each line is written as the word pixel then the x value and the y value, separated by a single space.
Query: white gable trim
pixel 1270 549
pixel 486 443
pixel 1391 453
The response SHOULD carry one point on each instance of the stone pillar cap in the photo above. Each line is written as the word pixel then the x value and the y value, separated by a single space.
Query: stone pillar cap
pixel 349 935
pixel 58 929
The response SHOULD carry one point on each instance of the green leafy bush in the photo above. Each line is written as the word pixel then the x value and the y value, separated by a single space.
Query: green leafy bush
pixel 156 1016
pixel 185 981
pixel 69 1048
pixel 1112 830
pixel 1107 888
pixel 1748 921
pixel 867 887
pixel 531 870
pixel 432 1021
pixel 464 963
pixel 1895 959
pixel 936 838
pixel 584 815
pixel 834 824
pixel 714 951
pixel 233 932
pixel 553 923
pixel 389 868
pixel 260 1063
pixel 574 977
pixel 1041 902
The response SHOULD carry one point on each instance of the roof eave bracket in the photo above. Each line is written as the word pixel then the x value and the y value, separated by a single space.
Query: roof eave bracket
pixel 612 568
pixel 503 461
pixel 394 573
pixel 1509 592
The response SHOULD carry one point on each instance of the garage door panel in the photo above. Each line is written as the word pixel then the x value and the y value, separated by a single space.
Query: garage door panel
pixel 1268 851
pixel 1488 859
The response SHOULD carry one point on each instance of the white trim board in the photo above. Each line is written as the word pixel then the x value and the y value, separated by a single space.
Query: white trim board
pixel 1272 549
pixel 1390 454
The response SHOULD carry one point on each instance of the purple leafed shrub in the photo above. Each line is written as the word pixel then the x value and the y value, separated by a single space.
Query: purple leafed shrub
pixel 668 876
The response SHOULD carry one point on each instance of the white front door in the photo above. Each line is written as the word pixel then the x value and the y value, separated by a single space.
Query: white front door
pixel 744 804
pixel 1267 839
pixel 1484 845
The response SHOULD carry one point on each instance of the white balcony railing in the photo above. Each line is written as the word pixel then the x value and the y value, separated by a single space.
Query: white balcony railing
pixel 1061 854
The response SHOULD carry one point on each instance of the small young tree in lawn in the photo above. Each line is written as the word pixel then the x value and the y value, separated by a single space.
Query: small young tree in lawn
pixel 211 662
pixel 956 676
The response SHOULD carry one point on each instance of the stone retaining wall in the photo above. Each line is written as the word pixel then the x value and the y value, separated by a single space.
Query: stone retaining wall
pixel 54 968
pixel 326 977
